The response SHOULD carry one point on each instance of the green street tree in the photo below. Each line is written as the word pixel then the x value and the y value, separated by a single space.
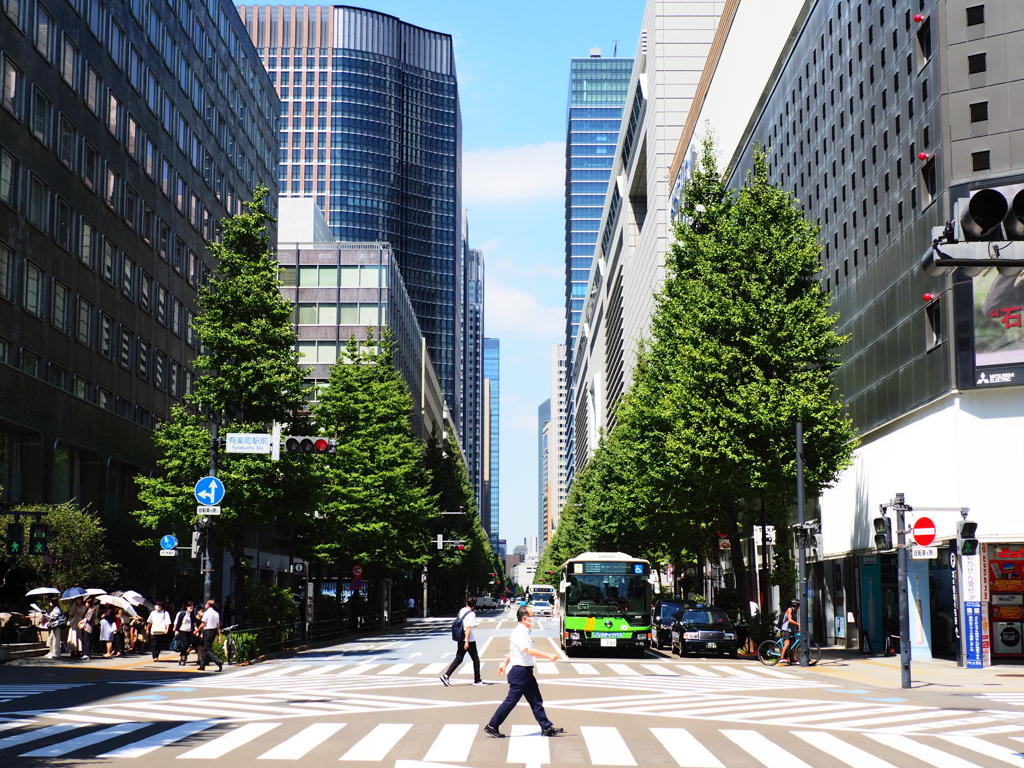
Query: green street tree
pixel 743 346
pixel 377 506
pixel 248 377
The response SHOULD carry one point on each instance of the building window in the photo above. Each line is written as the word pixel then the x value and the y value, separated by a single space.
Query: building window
pixel 31 363
pixel 63 226
pixel 92 90
pixel 114 114
pixel 106 340
pixel 979 112
pixel 159 366
pixel 69 62
pixel 981 161
pixel 109 260
pixel 125 348
pixel 44 29
pixel 60 314
pixel 164 240
pixel 131 204
pixel 977 64
pixel 975 15
pixel 91 167
pixel 161 305
pixel 112 189
pixel 127 276
pixel 13 76
pixel 38 202
pixel 67 142
pixel 33 294
pixel 6 273
pixel 42 116
pixel 151 165
pixel 132 137
pixel 81 388
pixel 84 333
pixel 145 290
pixel 87 253
pixel 143 367
pixel 174 374
pixel 176 317
pixel 8 179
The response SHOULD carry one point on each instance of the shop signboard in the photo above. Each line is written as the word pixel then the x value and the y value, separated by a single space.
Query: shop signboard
pixel 974 590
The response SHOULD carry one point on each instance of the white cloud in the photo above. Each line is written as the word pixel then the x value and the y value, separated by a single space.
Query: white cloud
pixel 531 173
pixel 509 310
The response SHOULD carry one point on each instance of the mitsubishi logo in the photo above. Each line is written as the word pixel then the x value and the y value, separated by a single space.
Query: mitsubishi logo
pixel 983 379
pixel 608 623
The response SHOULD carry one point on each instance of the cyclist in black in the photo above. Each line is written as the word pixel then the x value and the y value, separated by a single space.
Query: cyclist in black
pixel 790 626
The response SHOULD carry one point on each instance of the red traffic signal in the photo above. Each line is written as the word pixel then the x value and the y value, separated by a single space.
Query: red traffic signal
pixel 310 444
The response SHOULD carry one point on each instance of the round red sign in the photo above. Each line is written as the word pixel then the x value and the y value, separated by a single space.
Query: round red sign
pixel 924 531
pixel 357 570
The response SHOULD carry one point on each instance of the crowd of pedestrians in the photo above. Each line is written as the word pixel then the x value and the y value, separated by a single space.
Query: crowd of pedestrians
pixel 90 627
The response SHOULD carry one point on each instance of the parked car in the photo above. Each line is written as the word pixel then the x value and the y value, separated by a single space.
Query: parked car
pixel 665 613
pixel 541 608
pixel 704 630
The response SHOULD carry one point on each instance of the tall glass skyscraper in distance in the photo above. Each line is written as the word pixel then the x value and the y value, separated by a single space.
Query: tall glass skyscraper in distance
pixel 492 393
pixel 371 128
pixel 597 95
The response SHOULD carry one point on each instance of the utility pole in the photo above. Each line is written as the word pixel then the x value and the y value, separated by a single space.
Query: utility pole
pixel 803 591
pixel 902 558
pixel 207 558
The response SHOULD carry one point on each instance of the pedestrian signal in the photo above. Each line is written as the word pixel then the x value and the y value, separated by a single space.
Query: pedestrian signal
pixel 15 539
pixel 883 533
pixel 966 531
pixel 304 444
pixel 38 534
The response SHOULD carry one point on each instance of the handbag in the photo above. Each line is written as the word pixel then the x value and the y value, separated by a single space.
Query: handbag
pixel 175 645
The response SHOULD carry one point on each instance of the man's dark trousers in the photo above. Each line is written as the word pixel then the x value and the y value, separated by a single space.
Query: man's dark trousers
pixel 208 656
pixel 521 682
pixel 460 655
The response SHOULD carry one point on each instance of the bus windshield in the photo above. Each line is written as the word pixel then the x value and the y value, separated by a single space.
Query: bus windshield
pixel 595 593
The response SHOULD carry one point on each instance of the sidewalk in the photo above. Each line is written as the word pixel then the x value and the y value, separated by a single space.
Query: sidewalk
pixel 939 675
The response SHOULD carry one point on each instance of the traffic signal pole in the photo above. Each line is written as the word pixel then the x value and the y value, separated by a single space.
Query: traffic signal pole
pixel 207 558
pixel 902 561
pixel 803 592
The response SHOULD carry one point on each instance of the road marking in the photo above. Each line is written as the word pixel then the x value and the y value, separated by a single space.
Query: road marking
pixel 39 733
pixel 734 671
pixel 483 648
pixel 776 673
pixel 323 669
pixel 699 671
pixel 986 748
pixel 528 745
pixel 220 746
pixel 358 669
pixel 86 740
pixel 452 743
pixel 14 724
pixel 377 743
pixel 433 669
pixel 898 717
pixel 547 668
pixel 279 671
pixel 765 751
pixel 397 669
pixel 144 747
pixel 302 742
pixel 558 648
pixel 685 749
pixel 659 670
pixel 921 751
pixel 606 746
pixel 840 750
pixel 622 669
pixel 585 669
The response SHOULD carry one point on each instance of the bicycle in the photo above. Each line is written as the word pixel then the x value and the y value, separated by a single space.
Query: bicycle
pixel 769 652
pixel 230 651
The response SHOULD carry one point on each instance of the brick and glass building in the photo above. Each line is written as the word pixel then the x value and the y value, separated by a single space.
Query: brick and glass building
pixel 127 131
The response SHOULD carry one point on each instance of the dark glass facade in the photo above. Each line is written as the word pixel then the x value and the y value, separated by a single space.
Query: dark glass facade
pixel 371 128
pixel 492 361
pixel 597 95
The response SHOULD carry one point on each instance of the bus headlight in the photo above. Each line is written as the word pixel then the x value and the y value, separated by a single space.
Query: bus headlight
pixel 691 635
pixel 574 635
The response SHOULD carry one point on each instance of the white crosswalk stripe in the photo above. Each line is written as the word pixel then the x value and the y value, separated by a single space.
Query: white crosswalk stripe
pixel 687 750
pixel 163 739
pixel 606 746
pixel 527 745
pixel 921 751
pixel 85 740
pixel 378 742
pixel 233 739
pixel 12 691
pixel 302 742
pixel 452 744
pixel 765 750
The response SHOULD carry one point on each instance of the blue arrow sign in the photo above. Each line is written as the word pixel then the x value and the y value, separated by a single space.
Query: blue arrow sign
pixel 168 542
pixel 209 491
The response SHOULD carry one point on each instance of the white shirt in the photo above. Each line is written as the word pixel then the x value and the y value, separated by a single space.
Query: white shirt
pixel 211 619
pixel 159 621
pixel 468 616
pixel 521 640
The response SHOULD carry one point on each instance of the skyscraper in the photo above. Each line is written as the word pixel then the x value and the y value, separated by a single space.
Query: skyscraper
pixel 127 133
pixel 492 388
pixel 543 481
pixel 371 128
pixel 597 94
pixel 473 366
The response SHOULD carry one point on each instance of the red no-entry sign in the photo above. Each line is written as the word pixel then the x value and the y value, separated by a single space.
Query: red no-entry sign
pixel 924 531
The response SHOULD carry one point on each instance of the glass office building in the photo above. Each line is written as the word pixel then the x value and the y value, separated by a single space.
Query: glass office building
pixel 492 390
pixel 370 128
pixel 597 94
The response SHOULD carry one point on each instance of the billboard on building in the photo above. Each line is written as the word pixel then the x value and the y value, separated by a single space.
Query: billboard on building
pixel 998 328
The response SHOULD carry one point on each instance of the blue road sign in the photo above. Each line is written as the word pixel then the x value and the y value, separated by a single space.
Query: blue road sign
pixel 209 491
pixel 168 542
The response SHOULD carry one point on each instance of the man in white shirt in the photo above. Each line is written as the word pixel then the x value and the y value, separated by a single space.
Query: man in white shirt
pixel 159 626
pixel 466 645
pixel 211 631
pixel 521 680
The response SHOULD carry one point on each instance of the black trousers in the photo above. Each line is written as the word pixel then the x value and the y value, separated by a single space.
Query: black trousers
pixel 157 642
pixel 460 655
pixel 208 656
pixel 521 682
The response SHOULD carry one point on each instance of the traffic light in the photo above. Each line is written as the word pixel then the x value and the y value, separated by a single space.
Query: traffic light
pixel 457 545
pixel 306 444
pixel 197 537
pixel 15 539
pixel 883 533
pixel 37 535
pixel 966 541
pixel 987 230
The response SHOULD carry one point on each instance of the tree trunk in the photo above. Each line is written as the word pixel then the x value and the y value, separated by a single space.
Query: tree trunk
pixel 739 563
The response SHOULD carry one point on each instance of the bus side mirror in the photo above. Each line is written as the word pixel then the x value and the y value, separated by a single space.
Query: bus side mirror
pixel 563 586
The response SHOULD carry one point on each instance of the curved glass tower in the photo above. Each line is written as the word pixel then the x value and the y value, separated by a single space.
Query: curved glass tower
pixel 371 128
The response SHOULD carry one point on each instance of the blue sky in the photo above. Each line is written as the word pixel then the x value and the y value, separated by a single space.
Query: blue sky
pixel 513 66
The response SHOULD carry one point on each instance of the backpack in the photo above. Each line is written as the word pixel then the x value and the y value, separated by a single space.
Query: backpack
pixel 458 631
pixel 782 620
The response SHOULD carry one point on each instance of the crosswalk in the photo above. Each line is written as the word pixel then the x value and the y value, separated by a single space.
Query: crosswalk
pixel 1016 699
pixel 13 691
pixel 411 745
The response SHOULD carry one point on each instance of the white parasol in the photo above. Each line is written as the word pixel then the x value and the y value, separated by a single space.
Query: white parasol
pixel 42 591
pixel 93 592
pixel 118 602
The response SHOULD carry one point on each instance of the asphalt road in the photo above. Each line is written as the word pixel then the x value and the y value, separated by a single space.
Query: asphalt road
pixel 378 702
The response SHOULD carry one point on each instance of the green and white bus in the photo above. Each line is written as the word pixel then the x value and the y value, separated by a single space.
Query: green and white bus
pixel 605 602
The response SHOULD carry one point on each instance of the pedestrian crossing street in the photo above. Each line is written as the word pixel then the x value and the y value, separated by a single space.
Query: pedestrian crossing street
pixel 17 691
pixel 440 744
